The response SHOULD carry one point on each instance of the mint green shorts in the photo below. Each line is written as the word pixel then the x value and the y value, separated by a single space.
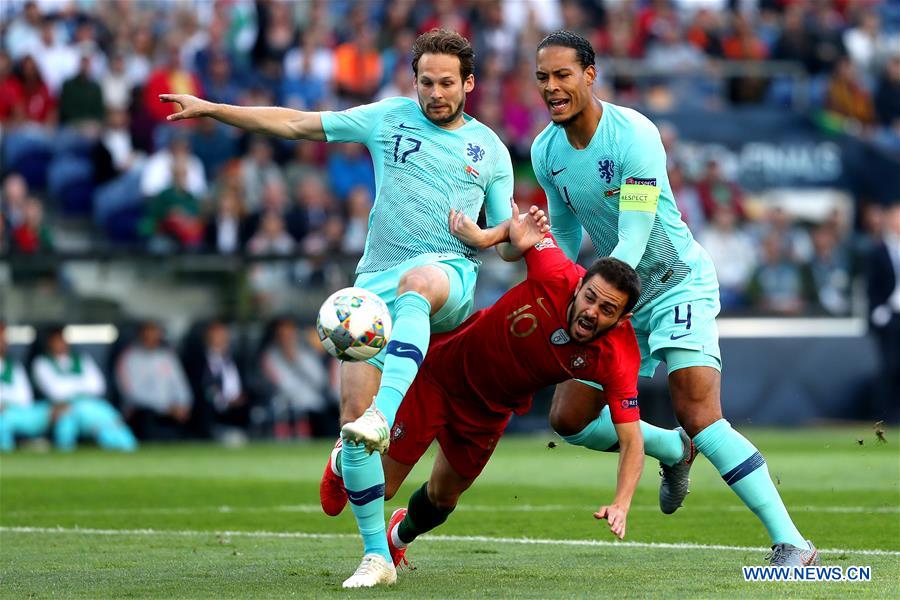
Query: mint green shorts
pixel 679 327
pixel 462 274
pixel 682 319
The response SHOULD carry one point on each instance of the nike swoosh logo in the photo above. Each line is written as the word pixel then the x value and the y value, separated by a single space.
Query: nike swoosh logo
pixel 405 126
pixel 405 351
pixel 555 173
pixel 678 337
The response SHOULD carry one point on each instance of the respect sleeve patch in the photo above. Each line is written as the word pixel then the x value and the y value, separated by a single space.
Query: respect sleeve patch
pixel 633 196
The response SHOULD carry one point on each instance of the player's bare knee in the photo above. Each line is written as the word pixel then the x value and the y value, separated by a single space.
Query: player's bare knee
pixel 415 281
pixel 566 422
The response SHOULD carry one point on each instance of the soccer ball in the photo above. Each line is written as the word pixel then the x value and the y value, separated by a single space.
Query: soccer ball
pixel 354 324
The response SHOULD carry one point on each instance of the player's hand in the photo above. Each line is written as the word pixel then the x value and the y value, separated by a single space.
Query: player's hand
pixel 191 106
pixel 528 229
pixel 465 229
pixel 616 517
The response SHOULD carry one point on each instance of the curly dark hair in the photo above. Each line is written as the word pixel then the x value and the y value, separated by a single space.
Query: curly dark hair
pixel 441 41
pixel 618 274
pixel 568 39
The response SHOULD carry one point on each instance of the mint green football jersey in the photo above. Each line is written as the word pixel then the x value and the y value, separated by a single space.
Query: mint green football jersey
pixel 623 166
pixel 421 172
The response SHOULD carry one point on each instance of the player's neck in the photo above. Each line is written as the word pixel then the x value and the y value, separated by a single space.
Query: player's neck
pixel 580 131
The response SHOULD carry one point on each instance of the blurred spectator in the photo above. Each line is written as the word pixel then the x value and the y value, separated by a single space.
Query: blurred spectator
pixel 226 231
pixel 36 103
pixel 349 165
pixel 115 84
pixel 24 31
pixel 494 36
pixel 795 240
pixel 11 105
pixel 32 235
pixel 258 169
pixel 81 99
pixel 715 191
pixel 15 197
pixel 446 15
pixel 687 199
pixel 358 68
pixel 305 163
pixel 743 44
pixel 220 84
pixel 311 208
pixel 883 275
pixel 887 96
pixel 214 144
pixel 704 32
pixel 779 285
pixel 156 397
pixel 308 73
pixel 139 55
pixel 76 387
pixel 221 409
pixel 56 60
pixel 117 141
pixel 359 205
pixel 866 43
pixel 830 269
pixel 268 278
pixel 847 96
pixel 173 214
pixel 299 379
pixel 828 46
pixel 797 41
pixel 169 78
pixel 733 254
pixel 399 85
pixel 158 171
pixel 19 416
pixel 274 200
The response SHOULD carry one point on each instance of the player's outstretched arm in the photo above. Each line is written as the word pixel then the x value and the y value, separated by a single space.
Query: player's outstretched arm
pixel 532 224
pixel 270 120
pixel 631 463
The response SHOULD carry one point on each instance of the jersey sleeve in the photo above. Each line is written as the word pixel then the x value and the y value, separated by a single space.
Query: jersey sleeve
pixel 621 380
pixel 563 222
pixel 546 260
pixel 643 171
pixel 499 191
pixel 356 124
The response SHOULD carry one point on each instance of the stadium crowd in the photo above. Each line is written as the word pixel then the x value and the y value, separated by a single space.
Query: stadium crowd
pixel 142 388
pixel 84 134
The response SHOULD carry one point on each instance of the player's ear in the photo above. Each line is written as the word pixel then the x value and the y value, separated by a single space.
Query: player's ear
pixel 590 74
pixel 469 83
pixel 578 285
pixel 624 319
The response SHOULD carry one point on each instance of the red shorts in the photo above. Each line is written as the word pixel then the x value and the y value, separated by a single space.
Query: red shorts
pixel 466 430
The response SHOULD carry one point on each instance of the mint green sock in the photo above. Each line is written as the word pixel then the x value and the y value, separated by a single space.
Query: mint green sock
pixel 405 351
pixel 744 469
pixel 664 445
pixel 364 481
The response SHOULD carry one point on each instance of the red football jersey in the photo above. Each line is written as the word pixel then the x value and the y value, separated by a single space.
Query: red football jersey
pixel 502 355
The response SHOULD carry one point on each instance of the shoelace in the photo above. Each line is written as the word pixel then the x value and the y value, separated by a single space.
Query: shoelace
pixel 366 566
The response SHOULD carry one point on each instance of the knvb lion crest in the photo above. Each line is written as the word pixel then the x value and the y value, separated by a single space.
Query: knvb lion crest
pixel 607 169
pixel 474 152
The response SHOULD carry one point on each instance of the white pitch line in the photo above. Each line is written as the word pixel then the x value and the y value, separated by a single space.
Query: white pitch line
pixel 428 538
pixel 315 508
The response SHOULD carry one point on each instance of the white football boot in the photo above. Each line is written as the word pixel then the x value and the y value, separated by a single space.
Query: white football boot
pixel 373 570
pixel 371 430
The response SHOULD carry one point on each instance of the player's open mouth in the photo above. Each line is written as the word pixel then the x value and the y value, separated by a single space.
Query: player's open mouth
pixel 558 106
pixel 584 326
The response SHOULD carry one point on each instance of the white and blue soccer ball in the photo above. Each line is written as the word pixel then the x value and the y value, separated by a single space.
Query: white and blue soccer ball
pixel 354 324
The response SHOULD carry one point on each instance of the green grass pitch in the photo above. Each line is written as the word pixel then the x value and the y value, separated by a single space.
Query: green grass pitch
pixel 205 522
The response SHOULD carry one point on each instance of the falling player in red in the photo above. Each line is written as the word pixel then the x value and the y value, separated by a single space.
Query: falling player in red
pixel 562 322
